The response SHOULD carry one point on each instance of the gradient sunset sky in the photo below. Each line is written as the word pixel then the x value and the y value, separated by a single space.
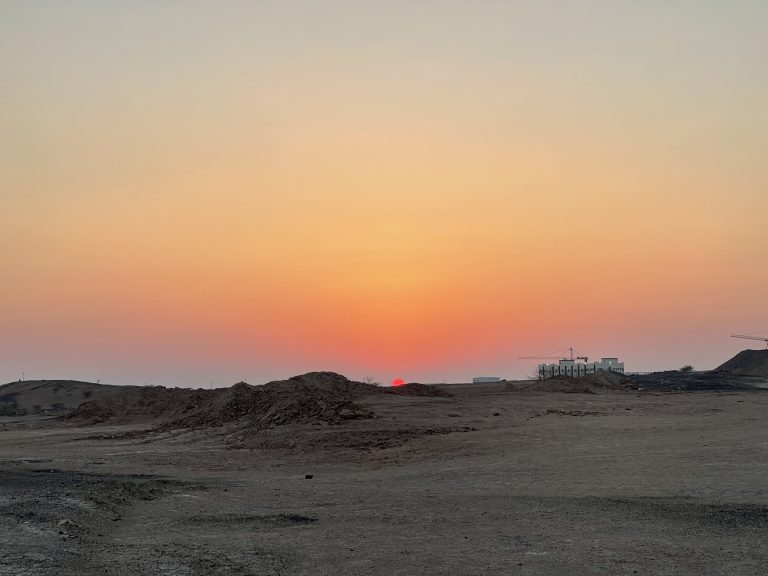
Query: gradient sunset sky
pixel 197 192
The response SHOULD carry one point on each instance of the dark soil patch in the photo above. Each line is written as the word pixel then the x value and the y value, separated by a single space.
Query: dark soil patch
pixel 256 520
pixel 416 389
pixel 49 518
pixel 696 381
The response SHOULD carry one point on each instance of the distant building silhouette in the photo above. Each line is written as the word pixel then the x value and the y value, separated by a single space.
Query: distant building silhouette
pixel 576 369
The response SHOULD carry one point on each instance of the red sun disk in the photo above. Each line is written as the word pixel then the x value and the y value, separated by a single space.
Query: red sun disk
pixel 398 382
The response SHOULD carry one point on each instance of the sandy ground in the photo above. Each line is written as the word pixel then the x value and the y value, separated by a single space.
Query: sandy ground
pixel 529 483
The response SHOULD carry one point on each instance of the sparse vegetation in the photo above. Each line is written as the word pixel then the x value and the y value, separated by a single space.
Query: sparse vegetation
pixel 8 409
pixel 533 374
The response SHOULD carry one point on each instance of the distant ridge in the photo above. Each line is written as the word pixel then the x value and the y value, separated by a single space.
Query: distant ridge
pixel 747 363
pixel 52 396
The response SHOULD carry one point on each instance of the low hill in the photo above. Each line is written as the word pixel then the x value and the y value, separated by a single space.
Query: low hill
pixel 747 363
pixel 326 381
pixel 52 396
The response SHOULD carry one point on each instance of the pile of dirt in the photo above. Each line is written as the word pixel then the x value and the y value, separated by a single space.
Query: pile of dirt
pixel 747 363
pixel 338 384
pixel 608 380
pixel 327 382
pixel 261 407
pixel 315 397
pixel 589 384
pixel 143 405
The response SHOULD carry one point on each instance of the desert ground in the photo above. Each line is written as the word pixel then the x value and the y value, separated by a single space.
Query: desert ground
pixel 494 479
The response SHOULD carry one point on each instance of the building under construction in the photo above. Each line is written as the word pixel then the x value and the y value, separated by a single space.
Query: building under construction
pixel 577 369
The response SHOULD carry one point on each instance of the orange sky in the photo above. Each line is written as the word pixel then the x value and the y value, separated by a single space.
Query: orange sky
pixel 200 192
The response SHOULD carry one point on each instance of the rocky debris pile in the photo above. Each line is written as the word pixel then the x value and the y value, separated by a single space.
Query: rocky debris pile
pixel 297 400
pixel 326 382
pixel 260 407
pixel 596 383
pixel 747 363
pixel 145 404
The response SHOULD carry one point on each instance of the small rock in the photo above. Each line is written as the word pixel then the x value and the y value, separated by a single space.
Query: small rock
pixel 309 476
pixel 67 527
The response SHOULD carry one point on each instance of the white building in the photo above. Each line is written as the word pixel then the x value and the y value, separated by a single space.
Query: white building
pixel 577 369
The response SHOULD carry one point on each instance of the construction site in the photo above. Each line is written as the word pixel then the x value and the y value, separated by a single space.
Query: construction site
pixel 573 365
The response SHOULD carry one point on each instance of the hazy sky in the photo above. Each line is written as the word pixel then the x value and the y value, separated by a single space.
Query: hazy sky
pixel 198 192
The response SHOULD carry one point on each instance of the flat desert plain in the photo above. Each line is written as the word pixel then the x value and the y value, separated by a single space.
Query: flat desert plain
pixel 491 480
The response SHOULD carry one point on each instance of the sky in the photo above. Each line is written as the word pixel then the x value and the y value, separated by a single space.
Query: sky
pixel 196 193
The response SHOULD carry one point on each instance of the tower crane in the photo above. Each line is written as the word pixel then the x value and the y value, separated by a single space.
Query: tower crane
pixel 560 357
pixel 752 337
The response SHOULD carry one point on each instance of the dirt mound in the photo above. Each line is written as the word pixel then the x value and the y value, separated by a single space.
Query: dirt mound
pixel 747 363
pixel 145 404
pixel 610 380
pixel 314 397
pixel 332 382
pixel 589 384
pixel 325 381
pixel 259 407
